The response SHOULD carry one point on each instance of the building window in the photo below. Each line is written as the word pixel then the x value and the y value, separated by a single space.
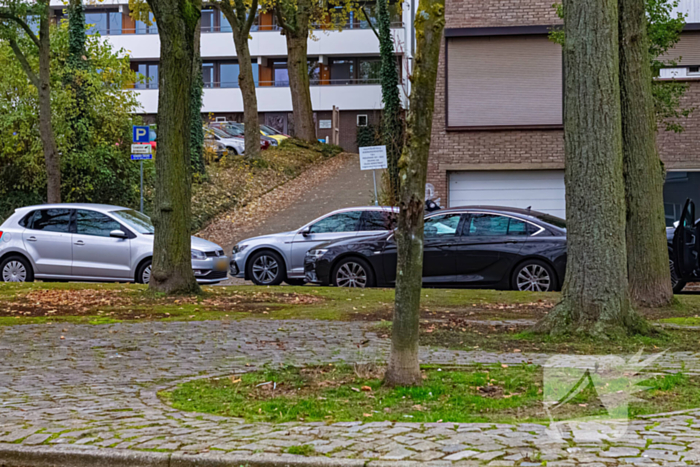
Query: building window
pixel 694 70
pixel 143 28
pixel 148 74
pixel 504 81
pixel 342 71
pixel 679 187
pixel 280 74
pixel 363 70
pixel 104 22
pixel 224 74
pixel 362 120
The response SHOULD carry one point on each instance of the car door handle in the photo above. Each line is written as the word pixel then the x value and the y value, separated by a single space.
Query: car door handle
pixel 80 242
pixel 31 239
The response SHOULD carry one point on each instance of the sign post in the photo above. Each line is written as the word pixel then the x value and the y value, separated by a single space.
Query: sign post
pixel 141 150
pixel 373 158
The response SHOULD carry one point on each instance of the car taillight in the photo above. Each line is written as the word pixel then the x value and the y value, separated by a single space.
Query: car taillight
pixel 0 234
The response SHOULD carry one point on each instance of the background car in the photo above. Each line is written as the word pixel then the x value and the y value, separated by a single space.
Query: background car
pixel 90 242
pixel 235 145
pixel 273 259
pixel 463 247
pixel 272 133
pixel 238 129
pixel 684 248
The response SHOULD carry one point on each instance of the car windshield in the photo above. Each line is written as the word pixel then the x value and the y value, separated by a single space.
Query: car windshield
pixel 136 220
pixel 269 130
pixel 234 130
pixel 553 220
pixel 221 133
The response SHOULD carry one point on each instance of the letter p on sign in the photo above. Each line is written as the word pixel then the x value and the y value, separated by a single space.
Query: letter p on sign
pixel 141 134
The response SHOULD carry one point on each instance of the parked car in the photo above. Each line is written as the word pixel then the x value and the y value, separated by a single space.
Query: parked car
pixel 478 246
pixel 272 133
pixel 90 242
pixel 238 129
pixel 234 144
pixel 684 248
pixel 273 259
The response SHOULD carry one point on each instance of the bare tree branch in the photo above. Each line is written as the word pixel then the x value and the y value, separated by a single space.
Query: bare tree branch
pixel 251 16
pixel 280 19
pixel 364 12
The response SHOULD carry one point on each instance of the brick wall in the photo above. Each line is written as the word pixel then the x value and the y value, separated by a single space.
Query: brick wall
pixel 525 149
pixel 493 13
pixel 682 150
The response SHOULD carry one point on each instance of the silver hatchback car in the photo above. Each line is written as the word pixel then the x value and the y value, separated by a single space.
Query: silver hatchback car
pixel 91 242
pixel 273 259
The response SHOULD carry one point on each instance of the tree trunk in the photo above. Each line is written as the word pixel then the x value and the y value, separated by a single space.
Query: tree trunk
pixel 392 128
pixel 246 81
pixel 404 368
pixel 647 251
pixel 196 127
pixel 298 68
pixel 595 298
pixel 172 264
pixel 48 141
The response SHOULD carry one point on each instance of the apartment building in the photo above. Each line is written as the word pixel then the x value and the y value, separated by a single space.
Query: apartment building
pixel 498 125
pixel 343 67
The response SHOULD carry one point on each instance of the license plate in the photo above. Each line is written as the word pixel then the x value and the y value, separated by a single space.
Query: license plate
pixel 221 265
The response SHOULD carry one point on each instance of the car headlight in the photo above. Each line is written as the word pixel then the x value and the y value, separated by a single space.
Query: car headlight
pixel 196 254
pixel 238 249
pixel 316 253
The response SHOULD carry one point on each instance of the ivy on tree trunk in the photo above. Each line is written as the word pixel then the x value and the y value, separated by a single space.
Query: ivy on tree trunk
pixel 647 250
pixel 172 265
pixel 595 298
pixel 241 18
pixel 76 65
pixel 392 124
pixel 404 369
pixel 196 127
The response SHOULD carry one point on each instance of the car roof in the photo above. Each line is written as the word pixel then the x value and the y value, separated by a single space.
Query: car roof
pixel 97 207
pixel 501 209
pixel 368 208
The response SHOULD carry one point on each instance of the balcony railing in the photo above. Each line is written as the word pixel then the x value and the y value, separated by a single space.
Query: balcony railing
pixel 151 30
pixel 278 84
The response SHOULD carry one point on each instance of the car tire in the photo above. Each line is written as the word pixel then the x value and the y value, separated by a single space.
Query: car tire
pixel 677 284
pixel 534 276
pixel 143 274
pixel 16 269
pixel 353 272
pixel 295 282
pixel 266 268
pixel 232 151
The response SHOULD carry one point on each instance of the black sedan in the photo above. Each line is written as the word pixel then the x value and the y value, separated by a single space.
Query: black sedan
pixel 477 246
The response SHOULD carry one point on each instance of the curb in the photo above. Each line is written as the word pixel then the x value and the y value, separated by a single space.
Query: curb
pixel 13 455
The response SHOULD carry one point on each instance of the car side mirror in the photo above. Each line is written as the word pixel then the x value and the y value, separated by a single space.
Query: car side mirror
pixel 306 232
pixel 118 234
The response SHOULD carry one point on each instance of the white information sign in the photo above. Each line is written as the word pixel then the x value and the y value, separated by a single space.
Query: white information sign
pixel 325 124
pixel 373 158
pixel 137 148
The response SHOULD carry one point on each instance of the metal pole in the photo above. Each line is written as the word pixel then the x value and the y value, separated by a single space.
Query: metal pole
pixel 376 197
pixel 141 187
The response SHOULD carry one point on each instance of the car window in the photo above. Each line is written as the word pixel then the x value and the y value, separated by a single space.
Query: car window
pixel 379 220
pixel 136 220
pixel 50 220
pixel 444 225
pixel 341 222
pixel 494 225
pixel 95 223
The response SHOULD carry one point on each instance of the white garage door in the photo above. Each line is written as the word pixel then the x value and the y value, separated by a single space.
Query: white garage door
pixel 541 189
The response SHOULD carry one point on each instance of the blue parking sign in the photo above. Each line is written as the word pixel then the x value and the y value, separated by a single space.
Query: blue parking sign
pixel 141 134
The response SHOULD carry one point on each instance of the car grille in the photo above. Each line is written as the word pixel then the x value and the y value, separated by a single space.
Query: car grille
pixel 215 275
pixel 215 254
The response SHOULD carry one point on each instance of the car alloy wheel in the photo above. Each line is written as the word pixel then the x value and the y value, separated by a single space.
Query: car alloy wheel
pixel 265 269
pixel 146 274
pixel 14 271
pixel 351 274
pixel 534 277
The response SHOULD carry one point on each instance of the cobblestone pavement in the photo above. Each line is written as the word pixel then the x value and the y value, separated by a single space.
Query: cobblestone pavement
pixel 95 387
